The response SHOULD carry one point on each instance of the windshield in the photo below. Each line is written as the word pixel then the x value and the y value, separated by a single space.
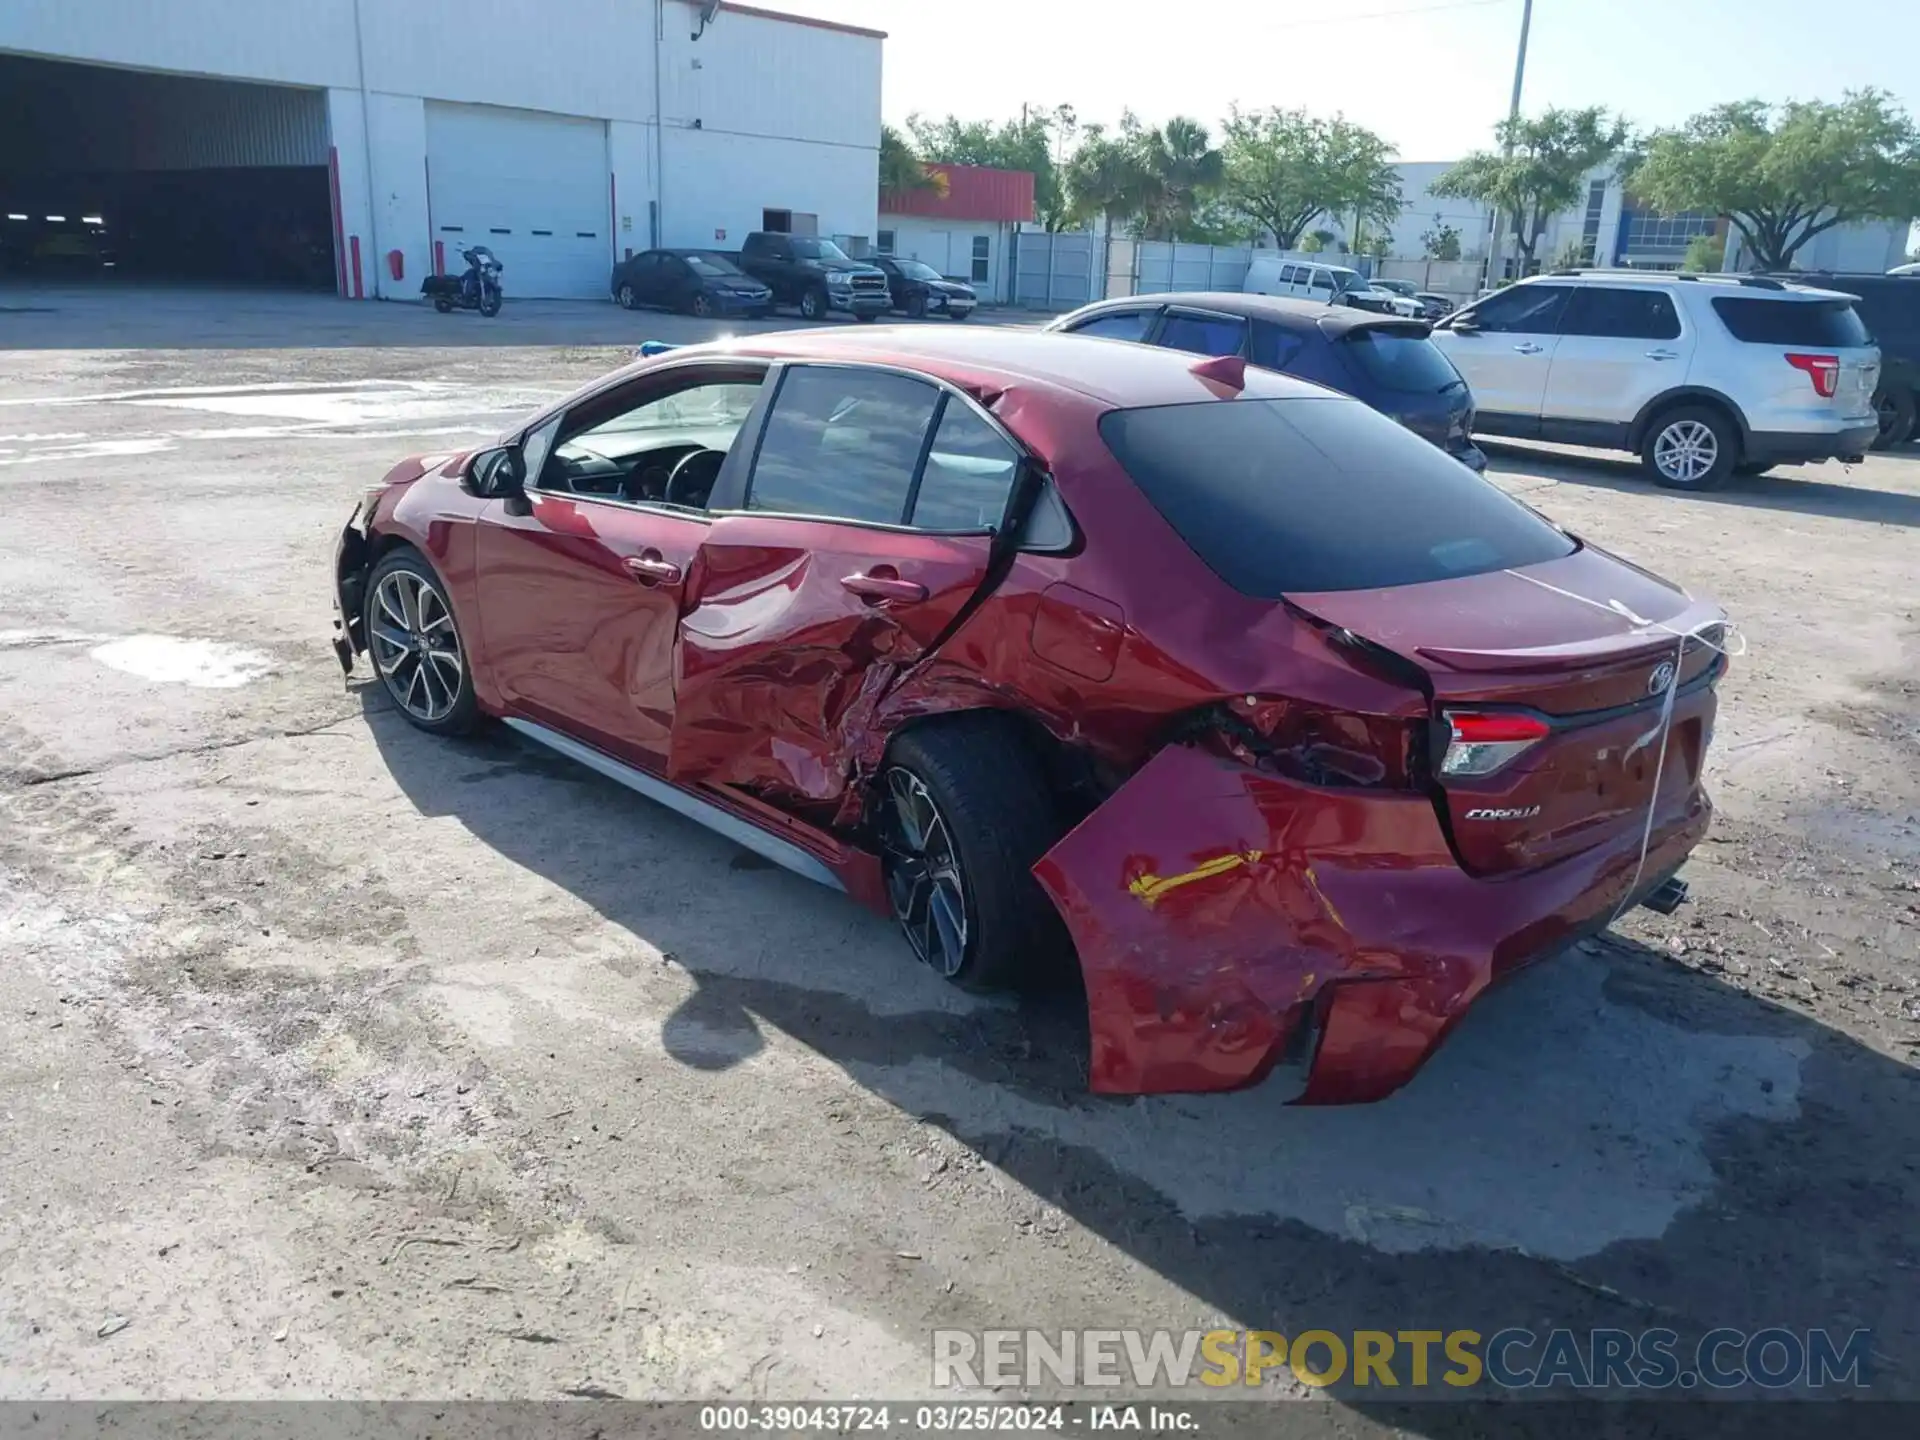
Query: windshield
pixel 1345 280
pixel 1280 496
pixel 915 270
pixel 711 265
pixel 808 248
pixel 1402 360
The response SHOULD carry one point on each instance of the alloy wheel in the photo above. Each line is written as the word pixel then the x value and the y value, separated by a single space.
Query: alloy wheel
pixel 626 297
pixel 924 880
pixel 702 306
pixel 1686 451
pixel 415 646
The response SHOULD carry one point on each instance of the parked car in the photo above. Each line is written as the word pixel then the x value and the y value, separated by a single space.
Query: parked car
pixel 1890 306
pixel 1384 360
pixel 1293 732
pixel 919 289
pixel 696 282
pixel 1702 376
pixel 1434 305
pixel 815 275
pixel 1329 284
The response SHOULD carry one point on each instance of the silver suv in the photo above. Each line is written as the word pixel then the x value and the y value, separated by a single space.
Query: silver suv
pixel 1702 376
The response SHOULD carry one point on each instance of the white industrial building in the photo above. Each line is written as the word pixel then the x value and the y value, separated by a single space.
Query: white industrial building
pixel 281 141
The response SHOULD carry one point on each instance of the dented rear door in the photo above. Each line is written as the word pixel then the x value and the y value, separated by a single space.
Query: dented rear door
pixel 866 530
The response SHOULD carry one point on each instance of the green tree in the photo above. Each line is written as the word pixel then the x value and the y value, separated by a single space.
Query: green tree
pixel 1285 168
pixel 1316 242
pixel 1781 175
pixel 1377 243
pixel 1442 242
pixel 1541 169
pixel 1706 254
pixel 1106 178
pixel 901 170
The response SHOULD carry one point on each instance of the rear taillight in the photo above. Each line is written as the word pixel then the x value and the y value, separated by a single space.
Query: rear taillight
pixel 1481 742
pixel 1823 370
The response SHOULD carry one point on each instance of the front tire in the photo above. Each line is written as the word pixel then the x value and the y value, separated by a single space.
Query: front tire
pixel 628 300
pixel 443 305
pixel 964 812
pixel 490 301
pixel 917 306
pixel 416 645
pixel 1691 447
pixel 813 305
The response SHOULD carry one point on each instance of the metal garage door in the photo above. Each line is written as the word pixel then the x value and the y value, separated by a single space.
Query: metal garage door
pixel 532 187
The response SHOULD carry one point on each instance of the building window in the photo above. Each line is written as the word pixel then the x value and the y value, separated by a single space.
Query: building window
pixel 884 244
pixel 982 258
pixel 1655 237
pixel 1590 231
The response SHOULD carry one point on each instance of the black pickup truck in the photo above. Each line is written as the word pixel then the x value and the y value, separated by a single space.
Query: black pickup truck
pixel 814 274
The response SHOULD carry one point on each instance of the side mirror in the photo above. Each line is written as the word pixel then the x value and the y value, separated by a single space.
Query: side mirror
pixel 498 473
pixel 1461 325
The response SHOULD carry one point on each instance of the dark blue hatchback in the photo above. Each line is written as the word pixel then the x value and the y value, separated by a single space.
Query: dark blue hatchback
pixel 1385 361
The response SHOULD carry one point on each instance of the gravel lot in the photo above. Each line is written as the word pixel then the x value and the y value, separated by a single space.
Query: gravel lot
pixel 336 1060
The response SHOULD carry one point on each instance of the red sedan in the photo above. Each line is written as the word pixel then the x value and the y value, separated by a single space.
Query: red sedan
pixel 1291 730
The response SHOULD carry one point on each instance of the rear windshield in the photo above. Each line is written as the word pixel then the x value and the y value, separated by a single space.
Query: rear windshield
pixel 1401 360
pixel 1321 493
pixel 1830 323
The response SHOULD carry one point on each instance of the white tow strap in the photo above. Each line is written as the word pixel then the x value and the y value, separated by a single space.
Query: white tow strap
pixel 1730 638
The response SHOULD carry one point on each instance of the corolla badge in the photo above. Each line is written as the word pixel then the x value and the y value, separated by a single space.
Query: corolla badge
pixel 1661 678
pixel 1527 814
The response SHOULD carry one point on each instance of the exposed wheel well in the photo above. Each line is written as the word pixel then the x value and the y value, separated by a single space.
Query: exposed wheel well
pixel 1664 405
pixel 1076 780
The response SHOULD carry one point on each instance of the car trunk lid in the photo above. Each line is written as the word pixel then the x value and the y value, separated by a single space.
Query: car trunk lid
pixel 1558 672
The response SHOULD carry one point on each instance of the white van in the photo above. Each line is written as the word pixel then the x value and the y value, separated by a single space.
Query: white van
pixel 1329 284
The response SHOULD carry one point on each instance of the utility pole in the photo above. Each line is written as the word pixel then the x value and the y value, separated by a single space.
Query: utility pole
pixel 1496 250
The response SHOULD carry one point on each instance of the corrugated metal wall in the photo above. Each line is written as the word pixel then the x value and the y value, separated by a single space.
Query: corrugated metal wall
pixel 58 118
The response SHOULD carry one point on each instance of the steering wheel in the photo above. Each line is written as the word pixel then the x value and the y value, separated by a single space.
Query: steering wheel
pixel 691 482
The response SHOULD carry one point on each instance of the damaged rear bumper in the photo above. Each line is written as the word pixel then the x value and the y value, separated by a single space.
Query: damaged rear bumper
pixel 1222 913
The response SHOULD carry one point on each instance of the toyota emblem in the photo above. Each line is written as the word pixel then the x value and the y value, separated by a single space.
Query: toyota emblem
pixel 1661 678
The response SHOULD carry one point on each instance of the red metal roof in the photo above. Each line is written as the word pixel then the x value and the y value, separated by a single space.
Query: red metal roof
pixel 974 192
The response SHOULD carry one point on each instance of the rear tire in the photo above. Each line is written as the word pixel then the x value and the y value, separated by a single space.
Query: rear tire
pixel 1896 409
pixel 1691 447
pixel 701 307
pixel 917 306
pixel 443 305
pixel 965 895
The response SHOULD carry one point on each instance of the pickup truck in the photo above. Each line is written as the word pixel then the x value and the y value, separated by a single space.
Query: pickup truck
pixel 814 274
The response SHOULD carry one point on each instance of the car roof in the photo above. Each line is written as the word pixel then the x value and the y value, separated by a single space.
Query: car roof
pixel 1287 313
pixel 1768 287
pixel 1117 373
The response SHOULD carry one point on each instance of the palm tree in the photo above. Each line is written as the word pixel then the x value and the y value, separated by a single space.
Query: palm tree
pixel 901 170
pixel 1187 168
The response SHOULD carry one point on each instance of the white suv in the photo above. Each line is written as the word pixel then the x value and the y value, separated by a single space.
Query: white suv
pixel 1702 376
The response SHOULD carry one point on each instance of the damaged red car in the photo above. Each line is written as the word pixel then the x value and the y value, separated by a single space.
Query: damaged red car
pixel 1293 733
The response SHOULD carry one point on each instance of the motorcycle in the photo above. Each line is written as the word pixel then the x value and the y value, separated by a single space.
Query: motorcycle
pixel 478 289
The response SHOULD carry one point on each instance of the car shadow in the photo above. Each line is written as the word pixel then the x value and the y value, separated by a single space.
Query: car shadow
pixel 1782 490
pixel 1609 1140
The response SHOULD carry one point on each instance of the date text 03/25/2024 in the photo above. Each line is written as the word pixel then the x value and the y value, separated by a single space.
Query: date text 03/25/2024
pixel 944 1418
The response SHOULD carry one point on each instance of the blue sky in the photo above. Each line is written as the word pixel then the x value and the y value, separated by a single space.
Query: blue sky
pixel 1431 75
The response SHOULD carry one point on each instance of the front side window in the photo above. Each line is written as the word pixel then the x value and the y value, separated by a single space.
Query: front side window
pixel 915 270
pixel 1521 310
pixel 1323 282
pixel 614 447
pixel 1204 334
pixel 1620 312
pixel 842 444
pixel 1126 325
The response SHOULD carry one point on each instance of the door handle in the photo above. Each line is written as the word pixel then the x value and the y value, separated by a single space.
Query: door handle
pixel 877 586
pixel 1529 349
pixel 1663 354
pixel 649 567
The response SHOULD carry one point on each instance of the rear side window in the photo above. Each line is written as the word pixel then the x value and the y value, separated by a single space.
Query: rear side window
pixel 969 474
pixel 1273 347
pixel 842 444
pixel 1833 324
pixel 1204 334
pixel 1405 361
pixel 1620 313
pixel 1300 495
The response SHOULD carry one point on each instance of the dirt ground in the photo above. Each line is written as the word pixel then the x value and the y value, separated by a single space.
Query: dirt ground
pixel 340 1061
